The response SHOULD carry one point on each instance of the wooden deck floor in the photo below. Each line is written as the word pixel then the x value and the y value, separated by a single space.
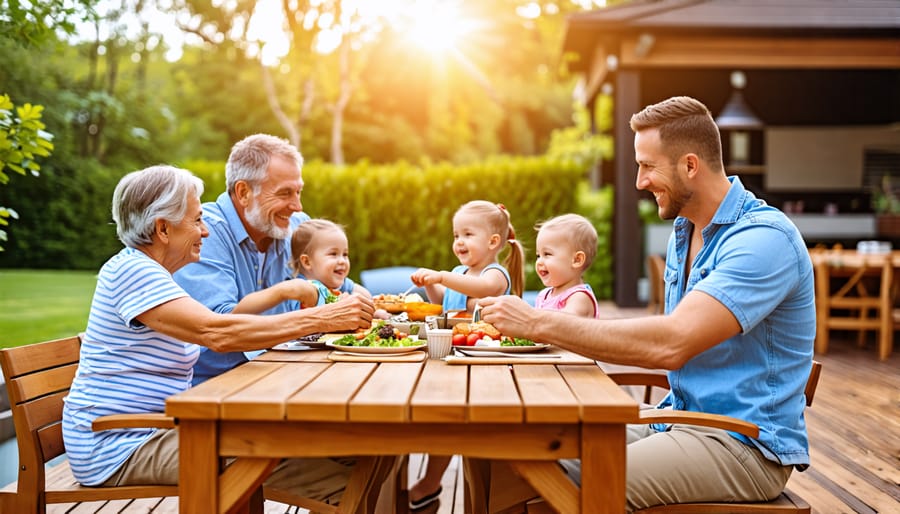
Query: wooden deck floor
pixel 854 427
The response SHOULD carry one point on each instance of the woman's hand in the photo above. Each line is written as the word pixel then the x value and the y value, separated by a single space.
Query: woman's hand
pixel 350 312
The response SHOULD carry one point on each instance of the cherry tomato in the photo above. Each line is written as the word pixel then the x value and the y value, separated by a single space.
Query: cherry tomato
pixel 459 339
pixel 472 338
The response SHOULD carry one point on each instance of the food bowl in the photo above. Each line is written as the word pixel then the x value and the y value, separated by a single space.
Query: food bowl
pixel 450 320
pixel 418 311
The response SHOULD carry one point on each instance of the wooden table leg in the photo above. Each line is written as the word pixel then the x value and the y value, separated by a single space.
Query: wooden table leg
pixel 241 481
pixel 823 293
pixel 886 311
pixel 198 467
pixel 602 469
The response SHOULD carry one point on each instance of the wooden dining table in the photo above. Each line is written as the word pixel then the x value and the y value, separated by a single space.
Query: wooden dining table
pixel 864 286
pixel 283 404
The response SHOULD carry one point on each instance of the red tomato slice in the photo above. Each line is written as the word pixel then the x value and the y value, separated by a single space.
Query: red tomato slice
pixel 471 339
pixel 459 339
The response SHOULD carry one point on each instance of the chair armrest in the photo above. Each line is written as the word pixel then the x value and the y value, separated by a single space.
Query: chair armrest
pixel 657 378
pixel 148 420
pixel 683 417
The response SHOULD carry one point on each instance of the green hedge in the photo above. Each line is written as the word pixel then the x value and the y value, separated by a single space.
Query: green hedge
pixel 400 214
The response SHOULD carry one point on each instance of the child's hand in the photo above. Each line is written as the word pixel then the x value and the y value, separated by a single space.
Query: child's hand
pixel 303 291
pixel 426 277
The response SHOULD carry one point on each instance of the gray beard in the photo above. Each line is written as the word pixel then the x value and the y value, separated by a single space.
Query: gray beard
pixel 267 227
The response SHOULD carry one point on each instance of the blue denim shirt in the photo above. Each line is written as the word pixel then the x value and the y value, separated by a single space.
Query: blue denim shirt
pixel 227 272
pixel 755 263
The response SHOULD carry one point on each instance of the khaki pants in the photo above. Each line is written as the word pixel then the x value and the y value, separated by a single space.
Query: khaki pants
pixel 696 464
pixel 156 462
pixel 686 464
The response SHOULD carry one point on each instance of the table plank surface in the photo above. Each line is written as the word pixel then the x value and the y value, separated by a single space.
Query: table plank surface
pixel 441 393
pixel 385 396
pixel 599 397
pixel 546 396
pixel 204 400
pixel 493 396
pixel 326 398
pixel 265 399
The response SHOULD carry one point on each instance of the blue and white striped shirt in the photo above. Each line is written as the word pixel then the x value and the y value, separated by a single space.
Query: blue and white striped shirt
pixel 124 367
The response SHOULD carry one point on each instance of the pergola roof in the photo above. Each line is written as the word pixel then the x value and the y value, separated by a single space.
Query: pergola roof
pixel 802 19
pixel 629 44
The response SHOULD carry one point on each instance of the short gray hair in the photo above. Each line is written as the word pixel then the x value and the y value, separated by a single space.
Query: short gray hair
pixel 250 158
pixel 144 196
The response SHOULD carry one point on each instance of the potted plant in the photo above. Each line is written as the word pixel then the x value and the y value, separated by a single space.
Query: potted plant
pixel 887 209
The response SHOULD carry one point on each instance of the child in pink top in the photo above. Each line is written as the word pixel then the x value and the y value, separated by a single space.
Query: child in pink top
pixel 566 246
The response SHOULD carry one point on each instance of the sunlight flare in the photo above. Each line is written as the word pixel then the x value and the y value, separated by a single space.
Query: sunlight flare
pixel 437 26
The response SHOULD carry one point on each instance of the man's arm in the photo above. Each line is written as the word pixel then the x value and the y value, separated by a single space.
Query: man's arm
pixel 298 289
pixel 698 322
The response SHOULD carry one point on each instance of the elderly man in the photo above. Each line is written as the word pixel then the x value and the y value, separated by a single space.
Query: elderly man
pixel 738 332
pixel 248 248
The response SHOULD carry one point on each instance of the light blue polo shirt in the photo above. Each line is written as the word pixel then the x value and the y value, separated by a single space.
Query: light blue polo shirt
pixel 753 261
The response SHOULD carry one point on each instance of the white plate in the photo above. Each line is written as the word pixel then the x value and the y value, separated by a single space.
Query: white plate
pixel 295 346
pixel 505 349
pixel 376 349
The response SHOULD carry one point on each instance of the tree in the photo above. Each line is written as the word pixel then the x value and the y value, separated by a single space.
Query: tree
pixel 318 34
pixel 22 135
pixel 22 141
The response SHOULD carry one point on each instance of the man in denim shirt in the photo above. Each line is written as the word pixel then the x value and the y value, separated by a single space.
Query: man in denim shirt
pixel 248 249
pixel 738 332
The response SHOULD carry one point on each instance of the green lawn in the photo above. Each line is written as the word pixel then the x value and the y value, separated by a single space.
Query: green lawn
pixel 38 305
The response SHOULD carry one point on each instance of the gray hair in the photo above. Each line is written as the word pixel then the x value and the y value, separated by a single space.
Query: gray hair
pixel 142 197
pixel 250 157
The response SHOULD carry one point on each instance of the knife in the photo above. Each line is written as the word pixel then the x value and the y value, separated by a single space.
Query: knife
pixel 504 354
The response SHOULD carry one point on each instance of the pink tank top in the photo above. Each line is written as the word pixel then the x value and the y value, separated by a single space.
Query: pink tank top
pixel 558 302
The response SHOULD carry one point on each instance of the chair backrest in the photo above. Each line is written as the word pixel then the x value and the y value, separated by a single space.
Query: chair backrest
pixel 38 377
pixel 392 280
pixel 658 378
pixel 813 382
pixel 656 274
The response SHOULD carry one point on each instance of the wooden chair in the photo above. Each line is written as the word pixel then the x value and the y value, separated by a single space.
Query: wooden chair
pixel 504 496
pixel 855 292
pixel 38 377
pixel 786 503
pixel 656 276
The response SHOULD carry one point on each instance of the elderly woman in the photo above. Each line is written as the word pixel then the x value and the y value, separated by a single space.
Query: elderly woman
pixel 143 330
